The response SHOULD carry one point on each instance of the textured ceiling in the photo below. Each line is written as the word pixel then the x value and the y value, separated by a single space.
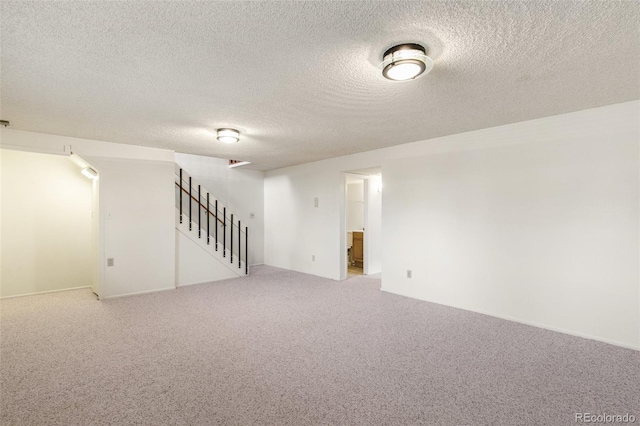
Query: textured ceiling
pixel 299 79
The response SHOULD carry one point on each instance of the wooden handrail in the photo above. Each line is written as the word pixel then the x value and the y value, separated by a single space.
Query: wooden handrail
pixel 197 201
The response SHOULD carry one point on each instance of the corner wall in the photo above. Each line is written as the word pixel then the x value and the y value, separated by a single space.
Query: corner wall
pixel 537 221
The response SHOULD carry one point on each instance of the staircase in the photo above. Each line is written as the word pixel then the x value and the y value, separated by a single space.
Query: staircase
pixel 211 243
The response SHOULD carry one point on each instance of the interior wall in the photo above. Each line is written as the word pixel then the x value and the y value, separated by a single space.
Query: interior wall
pixel 373 233
pixel 355 206
pixel 136 209
pixel 138 225
pixel 535 221
pixel 300 234
pixel 95 236
pixel 46 224
pixel 240 190
pixel 545 233
pixel 195 265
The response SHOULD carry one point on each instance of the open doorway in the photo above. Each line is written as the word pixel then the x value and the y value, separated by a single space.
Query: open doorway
pixel 355 225
pixel 361 223
pixel 50 224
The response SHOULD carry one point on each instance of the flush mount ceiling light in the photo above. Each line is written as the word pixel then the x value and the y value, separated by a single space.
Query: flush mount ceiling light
pixel 228 135
pixel 405 62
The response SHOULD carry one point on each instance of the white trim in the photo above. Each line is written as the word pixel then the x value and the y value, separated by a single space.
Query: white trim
pixel 210 281
pixel 530 323
pixel 137 293
pixel 202 282
pixel 127 160
pixel 35 149
pixel 44 292
pixel 43 142
pixel 342 228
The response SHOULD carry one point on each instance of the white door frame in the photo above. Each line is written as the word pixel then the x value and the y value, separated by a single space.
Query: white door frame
pixel 343 223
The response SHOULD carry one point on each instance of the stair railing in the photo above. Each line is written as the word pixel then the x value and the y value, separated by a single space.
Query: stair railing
pixel 213 210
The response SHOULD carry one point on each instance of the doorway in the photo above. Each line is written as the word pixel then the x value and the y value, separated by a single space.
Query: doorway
pixel 361 223
pixel 355 225
pixel 50 226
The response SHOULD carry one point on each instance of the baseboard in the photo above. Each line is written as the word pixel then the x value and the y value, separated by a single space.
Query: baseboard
pixel 198 283
pixel 210 281
pixel 137 293
pixel 44 292
pixel 530 323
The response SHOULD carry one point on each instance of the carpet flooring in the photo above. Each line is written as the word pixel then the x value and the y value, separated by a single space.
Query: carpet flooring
pixel 284 348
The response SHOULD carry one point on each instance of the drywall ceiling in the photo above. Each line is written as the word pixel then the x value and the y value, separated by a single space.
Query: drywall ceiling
pixel 299 79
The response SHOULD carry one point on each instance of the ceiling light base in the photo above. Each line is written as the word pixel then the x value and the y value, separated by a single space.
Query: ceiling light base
pixel 227 135
pixel 405 62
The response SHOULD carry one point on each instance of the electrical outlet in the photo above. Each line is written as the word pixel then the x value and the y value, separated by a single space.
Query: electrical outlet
pixel 409 273
pixel 110 261
pixel 313 257
pixel 315 202
pixel 251 215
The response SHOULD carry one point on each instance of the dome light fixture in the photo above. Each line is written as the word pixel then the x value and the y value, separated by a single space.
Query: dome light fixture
pixel 228 135
pixel 405 62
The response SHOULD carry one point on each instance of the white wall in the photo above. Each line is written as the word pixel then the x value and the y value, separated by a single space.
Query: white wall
pixel 46 224
pixel 296 230
pixel 138 225
pixel 240 190
pixel 536 221
pixel 96 259
pixel 355 205
pixel 545 233
pixel 195 265
pixel 373 234
pixel 136 210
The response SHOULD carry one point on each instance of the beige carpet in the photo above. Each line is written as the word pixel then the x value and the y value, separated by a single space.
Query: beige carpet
pixel 285 348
